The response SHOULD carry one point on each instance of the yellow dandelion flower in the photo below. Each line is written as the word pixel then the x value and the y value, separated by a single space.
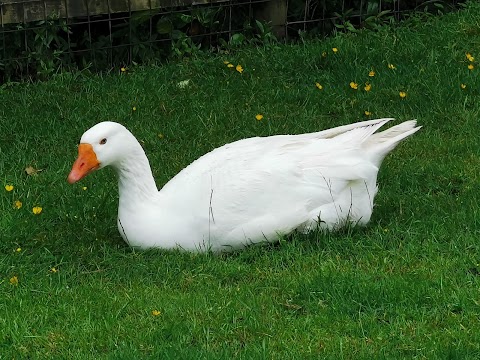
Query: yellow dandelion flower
pixel 37 210
pixel 319 86
pixel 391 66
pixel 9 187
pixel 469 57
pixel 470 67
pixel 123 69
pixel 156 312
pixel 463 86
pixel 54 270
pixel 19 249
pixel 134 108
pixel 226 62
pixel 18 204
pixel 371 73
pixel 14 281
pixel 259 117
pixel 367 87
pixel 239 68
pixel 84 188
pixel 354 85
pixel 230 65
pixel 367 113
pixel 402 94
pixel 335 50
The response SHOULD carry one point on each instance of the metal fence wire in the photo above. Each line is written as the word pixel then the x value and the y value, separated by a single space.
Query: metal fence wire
pixel 38 36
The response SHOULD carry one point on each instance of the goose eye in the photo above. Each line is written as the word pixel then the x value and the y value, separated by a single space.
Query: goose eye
pixel 103 141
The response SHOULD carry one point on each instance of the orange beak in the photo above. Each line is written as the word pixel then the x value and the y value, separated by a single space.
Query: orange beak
pixel 86 163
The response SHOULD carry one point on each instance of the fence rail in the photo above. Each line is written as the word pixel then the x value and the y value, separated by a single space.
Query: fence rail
pixel 24 11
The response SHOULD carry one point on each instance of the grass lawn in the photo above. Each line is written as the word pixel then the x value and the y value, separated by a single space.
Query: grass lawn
pixel 406 286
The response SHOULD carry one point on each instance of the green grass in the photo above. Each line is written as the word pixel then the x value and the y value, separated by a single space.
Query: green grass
pixel 406 286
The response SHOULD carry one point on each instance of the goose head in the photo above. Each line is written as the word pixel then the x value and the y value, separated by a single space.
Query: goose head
pixel 107 143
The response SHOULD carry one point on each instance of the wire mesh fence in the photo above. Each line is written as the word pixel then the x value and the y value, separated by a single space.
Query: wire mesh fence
pixel 323 16
pixel 39 37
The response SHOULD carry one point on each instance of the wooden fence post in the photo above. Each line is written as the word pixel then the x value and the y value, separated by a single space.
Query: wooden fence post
pixel 275 13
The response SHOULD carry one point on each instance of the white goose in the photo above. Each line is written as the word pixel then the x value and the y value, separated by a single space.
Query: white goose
pixel 245 192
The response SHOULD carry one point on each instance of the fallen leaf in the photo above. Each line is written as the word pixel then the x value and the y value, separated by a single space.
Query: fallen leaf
pixel 30 170
pixel 183 84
